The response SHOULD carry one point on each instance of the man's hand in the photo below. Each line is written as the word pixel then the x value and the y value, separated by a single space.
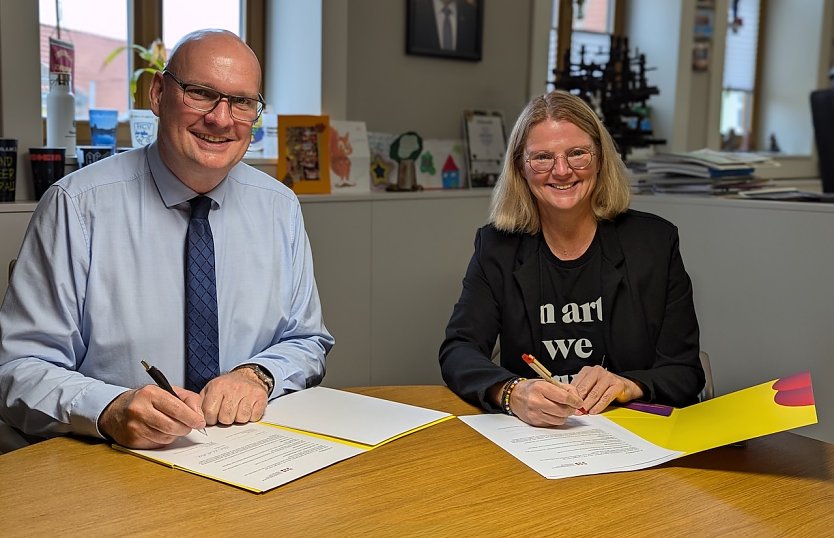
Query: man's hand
pixel 238 396
pixel 150 417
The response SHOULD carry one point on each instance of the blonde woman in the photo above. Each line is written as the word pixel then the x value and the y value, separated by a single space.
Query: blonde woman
pixel 564 271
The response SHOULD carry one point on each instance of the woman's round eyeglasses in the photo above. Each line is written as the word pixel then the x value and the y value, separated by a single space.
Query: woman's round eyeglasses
pixel 544 161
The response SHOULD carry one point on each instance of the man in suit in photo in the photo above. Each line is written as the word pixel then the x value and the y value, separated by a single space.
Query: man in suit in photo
pixel 445 26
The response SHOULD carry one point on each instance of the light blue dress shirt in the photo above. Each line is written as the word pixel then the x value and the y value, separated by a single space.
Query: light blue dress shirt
pixel 99 286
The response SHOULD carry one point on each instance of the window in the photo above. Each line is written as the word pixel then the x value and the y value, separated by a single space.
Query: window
pixel 737 95
pixel 182 16
pixel 96 28
pixel 591 24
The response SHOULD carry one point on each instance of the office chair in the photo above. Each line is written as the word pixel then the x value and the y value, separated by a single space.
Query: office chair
pixel 708 391
pixel 822 112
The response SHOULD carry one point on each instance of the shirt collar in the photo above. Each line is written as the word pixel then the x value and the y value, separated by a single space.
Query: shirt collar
pixel 171 189
pixel 438 7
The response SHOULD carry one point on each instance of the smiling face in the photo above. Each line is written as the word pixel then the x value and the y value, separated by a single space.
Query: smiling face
pixel 563 190
pixel 200 148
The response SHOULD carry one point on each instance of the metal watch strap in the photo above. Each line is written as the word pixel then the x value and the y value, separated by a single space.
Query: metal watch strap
pixel 262 373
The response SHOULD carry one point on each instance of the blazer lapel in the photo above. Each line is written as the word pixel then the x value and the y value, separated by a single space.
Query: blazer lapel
pixel 528 278
pixel 613 269
pixel 618 297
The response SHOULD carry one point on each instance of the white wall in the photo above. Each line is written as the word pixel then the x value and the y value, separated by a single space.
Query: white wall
pixel 395 92
pixel 794 33
pixel 761 274
pixel 334 58
pixel 293 83
pixel 655 28
pixel 20 98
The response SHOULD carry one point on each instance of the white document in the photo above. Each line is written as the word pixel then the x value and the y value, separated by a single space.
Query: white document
pixel 346 415
pixel 253 456
pixel 485 136
pixel 588 444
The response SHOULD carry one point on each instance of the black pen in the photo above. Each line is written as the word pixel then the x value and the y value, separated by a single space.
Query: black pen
pixel 162 382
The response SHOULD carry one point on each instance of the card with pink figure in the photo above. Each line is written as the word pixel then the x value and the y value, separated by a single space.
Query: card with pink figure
pixel 350 157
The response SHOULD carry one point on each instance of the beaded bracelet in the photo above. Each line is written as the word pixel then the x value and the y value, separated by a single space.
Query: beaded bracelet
pixel 507 391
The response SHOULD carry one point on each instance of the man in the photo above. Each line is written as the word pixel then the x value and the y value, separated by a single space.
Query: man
pixel 446 26
pixel 99 284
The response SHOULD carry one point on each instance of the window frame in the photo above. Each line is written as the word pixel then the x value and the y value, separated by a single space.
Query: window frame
pixel 564 28
pixel 147 26
pixel 757 110
pixel 146 17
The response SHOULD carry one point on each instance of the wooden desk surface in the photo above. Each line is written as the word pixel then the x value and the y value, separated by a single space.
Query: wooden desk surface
pixel 446 480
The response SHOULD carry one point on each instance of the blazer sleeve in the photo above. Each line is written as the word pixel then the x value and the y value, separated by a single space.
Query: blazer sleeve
pixel 472 332
pixel 676 377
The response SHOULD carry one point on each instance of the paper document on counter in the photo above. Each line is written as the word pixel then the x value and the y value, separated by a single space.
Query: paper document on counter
pixel 300 433
pixel 253 456
pixel 349 416
pixel 628 439
pixel 588 444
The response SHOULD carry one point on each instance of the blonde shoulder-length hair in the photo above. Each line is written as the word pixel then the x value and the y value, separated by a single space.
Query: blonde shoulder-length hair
pixel 513 208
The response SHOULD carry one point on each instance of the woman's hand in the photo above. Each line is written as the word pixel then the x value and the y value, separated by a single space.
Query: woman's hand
pixel 598 388
pixel 539 403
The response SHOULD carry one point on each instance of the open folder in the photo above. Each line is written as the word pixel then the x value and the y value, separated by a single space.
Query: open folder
pixel 774 406
pixel 300 433
pixel 622 439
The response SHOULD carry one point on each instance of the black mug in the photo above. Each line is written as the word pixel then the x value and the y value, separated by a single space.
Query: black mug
pixel 90 154
pixel 47 167
pixel 8 169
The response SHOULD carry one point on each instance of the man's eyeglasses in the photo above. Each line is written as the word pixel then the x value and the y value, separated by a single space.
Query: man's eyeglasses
pixel 205 99
pixel 577 159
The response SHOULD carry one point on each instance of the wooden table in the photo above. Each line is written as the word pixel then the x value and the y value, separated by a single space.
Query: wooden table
pixel 446 480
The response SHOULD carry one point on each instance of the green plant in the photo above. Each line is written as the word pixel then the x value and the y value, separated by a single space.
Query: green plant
pixel 155 55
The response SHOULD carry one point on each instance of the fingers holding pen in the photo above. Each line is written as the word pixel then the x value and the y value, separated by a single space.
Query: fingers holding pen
pixel 540 403
pixel 148 417
pixel 573 398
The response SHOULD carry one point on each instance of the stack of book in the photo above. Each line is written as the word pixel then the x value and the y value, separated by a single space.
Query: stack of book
pixel 703 171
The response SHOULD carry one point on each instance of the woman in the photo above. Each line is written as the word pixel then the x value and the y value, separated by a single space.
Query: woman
pixel 566 272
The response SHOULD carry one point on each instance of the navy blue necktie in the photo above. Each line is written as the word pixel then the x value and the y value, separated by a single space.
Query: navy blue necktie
pixel 201 336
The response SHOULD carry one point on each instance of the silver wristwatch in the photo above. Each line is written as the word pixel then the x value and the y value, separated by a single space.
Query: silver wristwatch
pixel 262 373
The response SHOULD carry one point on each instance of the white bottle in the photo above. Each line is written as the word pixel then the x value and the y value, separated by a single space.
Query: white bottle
pixel 60 114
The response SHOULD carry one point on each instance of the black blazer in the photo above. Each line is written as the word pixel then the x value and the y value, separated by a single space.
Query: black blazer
pixel 649 324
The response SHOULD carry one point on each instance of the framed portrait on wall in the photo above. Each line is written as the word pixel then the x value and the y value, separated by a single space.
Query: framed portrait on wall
pixel 445 28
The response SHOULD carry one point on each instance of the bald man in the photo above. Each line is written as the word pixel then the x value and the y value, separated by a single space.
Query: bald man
pixel 100 283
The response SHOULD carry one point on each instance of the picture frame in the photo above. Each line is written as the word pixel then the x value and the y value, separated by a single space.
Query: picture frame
pixel 426 29
pixel 486 145
pixel 303 153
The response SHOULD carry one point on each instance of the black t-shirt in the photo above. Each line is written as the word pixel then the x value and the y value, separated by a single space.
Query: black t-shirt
pixel 570 311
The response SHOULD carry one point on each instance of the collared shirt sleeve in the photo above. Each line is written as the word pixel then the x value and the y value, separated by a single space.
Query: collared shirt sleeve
pixel 99 286
pixel 296 358
pixel 41 349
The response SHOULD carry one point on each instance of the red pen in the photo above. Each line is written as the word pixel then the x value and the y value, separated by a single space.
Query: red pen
pixel 545 374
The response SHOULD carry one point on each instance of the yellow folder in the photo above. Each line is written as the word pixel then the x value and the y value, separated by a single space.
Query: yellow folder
pixel 775 406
